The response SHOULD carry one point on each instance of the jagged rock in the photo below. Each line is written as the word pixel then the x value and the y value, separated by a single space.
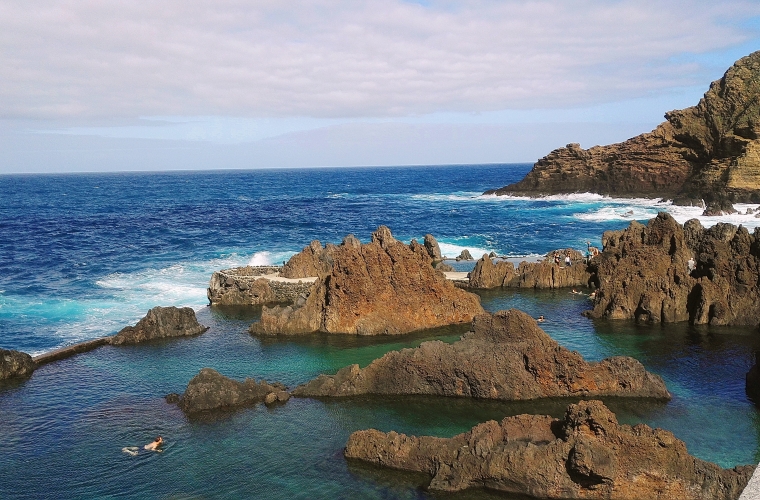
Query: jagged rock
pixel 15 364
pixel 210 390
pixel 444 268
pixel 313 260
pixel 665 272
pixel 432 247
pixel 465 255
pixel 239 286
pixel 719 207
pixel 383 287
pixel 545 274
pixel 709 151
pixel 586 454
pixel 160 322
pixel 506 356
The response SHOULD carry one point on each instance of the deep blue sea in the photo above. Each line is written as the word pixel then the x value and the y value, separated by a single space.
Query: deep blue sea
pixel 83 255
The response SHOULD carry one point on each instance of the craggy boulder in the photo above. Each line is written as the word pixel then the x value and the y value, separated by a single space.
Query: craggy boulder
pixel 492 273
pixel 380 288
pixel 15 364
pixel 240 286
pixel 665 272
pixel 210 390
pixel 160 322
pixel 506 356
pixel 314 260
pixel 586 454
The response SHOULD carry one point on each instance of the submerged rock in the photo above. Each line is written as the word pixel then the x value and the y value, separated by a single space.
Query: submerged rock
pixel 586 454
pixel 381 288
pixel 709 151
pixel 506 356
pixel 15 364
pixel 160 322
pixel 489 273
pixel 665 272
pixel 210 390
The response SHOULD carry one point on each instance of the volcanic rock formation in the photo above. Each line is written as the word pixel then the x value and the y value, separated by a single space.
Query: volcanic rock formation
pixel 383 287
pixel 506 356
pixel 489 273
pixel 210 390
pixel 644 272
pixel 15 364
pixel 587 454
pixel 160 322
pixel 241 286
pixel 707 152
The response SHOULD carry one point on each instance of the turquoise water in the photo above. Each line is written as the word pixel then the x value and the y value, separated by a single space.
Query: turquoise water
pixel 83 256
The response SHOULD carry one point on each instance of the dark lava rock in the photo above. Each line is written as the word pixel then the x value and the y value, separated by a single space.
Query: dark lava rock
pixel 719 207
pixel 210 390
pixel 586 454
pixel 172 398
pixel 465 255
pixel 432 247
pixel 15 364
pixel 707 151
pixel 490 273
pixel 665 272
pixel 161 322
pixel 506 356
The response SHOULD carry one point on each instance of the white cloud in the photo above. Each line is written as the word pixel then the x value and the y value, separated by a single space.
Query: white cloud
pixel 343 59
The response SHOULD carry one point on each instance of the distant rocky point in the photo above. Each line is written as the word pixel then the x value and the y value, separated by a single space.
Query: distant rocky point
pixel 587 454
pixel 506 356
pixel 384 287
pixel 708 152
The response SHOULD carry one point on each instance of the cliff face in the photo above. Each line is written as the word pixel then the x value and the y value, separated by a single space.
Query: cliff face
pixel 709 151
pixel 587 454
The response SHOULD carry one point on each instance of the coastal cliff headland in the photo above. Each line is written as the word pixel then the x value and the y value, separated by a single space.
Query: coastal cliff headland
pixel 708 152
pixel 384 287
pixel 506 356
pixel 586 454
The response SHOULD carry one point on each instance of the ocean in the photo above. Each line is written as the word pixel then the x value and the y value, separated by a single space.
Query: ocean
pixel 83 255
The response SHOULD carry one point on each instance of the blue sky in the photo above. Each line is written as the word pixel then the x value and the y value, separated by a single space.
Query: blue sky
pixel 103 86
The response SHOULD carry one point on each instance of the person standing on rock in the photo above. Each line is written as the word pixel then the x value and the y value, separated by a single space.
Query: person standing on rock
pixel 556 258
pixel 568 263
pixel 692 264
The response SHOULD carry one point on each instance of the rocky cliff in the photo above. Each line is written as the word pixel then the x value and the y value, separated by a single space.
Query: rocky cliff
pixel 160 322
pixel 710 151
pixel 644 273
pixel 381 288
pixel 587 454
pixel 490 273
pixel 506 356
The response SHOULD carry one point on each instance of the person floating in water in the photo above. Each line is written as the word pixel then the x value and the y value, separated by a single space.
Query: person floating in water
pixel 155 444
pixel 540 319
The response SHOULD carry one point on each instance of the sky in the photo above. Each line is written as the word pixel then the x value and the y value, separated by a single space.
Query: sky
pixel 93 85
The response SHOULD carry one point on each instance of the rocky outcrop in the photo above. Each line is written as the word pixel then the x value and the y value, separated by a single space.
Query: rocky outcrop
pixel 506 356
pixel 464 255
pixel 491 273
pixel 210 390
pixel 710 151
pixel 586 454
pixel 665 272
pixel 381 288
pixel 432 247
pixel 15 364
pixel 314 260
pixel 160 322
pixel 240 286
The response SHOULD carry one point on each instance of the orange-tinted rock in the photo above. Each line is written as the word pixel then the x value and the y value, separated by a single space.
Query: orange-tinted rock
pixel 506 356
pixel 544 274
pixel 380 288
pixel 314 260
pixel 709 151
pixel 587 454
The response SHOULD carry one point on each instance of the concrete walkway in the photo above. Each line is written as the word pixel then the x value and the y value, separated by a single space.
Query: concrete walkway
pixel 752 491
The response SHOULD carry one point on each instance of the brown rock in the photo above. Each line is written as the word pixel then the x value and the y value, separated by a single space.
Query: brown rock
pixel 709 151
pixel 506 356
pixel 311 261
pixel 383 287
pixel 432 247
pixel 160 322
pixel 210 390
pixel 587 454
pixel 644 273
pixel 238 287
pixel 545 274
pixel 15 364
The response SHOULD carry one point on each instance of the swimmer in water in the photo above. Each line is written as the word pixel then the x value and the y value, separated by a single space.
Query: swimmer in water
pixel 155 444
pixel 540 319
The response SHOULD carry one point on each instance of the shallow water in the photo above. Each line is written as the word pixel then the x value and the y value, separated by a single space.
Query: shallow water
pixel 83 256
